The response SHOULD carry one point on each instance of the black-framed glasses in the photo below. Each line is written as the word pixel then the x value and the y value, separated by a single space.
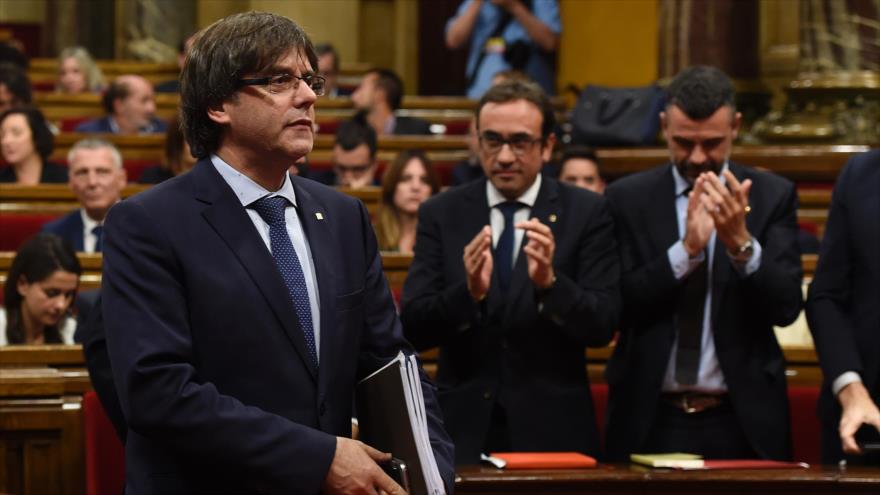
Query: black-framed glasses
pixel 520 143
pixel 280 83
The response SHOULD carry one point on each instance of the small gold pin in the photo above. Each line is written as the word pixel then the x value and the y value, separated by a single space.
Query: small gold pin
pixel 319 216
pixel 552 218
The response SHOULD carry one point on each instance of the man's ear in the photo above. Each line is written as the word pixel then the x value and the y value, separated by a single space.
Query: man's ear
pixel 737 124
pixel 218 114
pixel 547 148
pixel 664 125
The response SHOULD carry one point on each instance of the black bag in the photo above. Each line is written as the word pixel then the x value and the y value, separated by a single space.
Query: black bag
pixel 617 116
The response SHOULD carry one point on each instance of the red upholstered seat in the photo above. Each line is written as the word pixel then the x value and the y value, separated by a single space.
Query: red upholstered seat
pixel 105 455
pixel 15 228
pixel 600 403
pixel 805 426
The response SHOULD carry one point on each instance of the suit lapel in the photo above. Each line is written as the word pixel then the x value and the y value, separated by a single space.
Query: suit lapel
pixel 314 219
pixel 721 269
pixel 661 214
pixel 229 219
pixel 77 231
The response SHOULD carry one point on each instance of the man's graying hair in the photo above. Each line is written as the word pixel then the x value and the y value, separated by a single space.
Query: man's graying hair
pixel 224 52
pixel 95 144
pixel 701 90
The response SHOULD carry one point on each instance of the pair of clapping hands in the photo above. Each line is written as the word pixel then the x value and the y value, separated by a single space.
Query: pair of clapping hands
pixel 539 250
pixel 719 207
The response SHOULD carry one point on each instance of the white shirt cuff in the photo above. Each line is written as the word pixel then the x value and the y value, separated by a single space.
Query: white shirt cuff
pixel 682 264
pixel 843 380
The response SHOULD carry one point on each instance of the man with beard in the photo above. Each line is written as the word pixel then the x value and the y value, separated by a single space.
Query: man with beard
pixel 709 262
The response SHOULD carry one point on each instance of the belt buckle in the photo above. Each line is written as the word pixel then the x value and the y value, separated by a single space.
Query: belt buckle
pixel 686 405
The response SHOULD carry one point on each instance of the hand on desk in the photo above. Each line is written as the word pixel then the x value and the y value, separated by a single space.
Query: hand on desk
pixel 354 470
pixel 858 409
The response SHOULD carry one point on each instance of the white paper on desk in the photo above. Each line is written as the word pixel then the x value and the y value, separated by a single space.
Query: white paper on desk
pixel 419 417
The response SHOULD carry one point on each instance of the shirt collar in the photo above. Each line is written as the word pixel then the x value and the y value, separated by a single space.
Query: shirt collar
pixel 88 223
pixel 246 190
pixel 528 198
pixel 390 124
pixel 681 184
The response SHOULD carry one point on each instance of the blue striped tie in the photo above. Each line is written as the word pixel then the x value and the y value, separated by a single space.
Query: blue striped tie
pixel 271 209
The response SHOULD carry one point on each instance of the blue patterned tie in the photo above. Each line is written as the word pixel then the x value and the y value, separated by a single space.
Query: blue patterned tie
pixel 271 209
pixel 98 232
pixel 504 248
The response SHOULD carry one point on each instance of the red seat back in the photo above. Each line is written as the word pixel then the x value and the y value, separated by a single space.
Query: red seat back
pixel 805 427
pixel 15 228
pixel 105 455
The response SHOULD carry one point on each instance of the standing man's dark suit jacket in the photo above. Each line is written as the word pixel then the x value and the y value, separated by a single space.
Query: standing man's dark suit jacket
pixel 744 310
pixel 843 307
pixel 523 349
pixel 70 228
pixel 211 365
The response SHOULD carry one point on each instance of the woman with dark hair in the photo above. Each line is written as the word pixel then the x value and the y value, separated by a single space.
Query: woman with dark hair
pixel 408 183
pixel 178 157
pixel 39 293
pixel 25 144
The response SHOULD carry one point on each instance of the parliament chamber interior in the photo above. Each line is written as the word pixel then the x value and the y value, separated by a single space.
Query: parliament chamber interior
pixel 807 80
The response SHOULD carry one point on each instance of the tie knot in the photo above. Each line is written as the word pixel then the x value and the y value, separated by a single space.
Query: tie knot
pixel 508 208
pixel 98 230
pixel 271 209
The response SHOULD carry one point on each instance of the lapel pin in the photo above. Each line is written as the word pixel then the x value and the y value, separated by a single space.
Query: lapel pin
pixel 552 218
pixel 748 209
pixel 319 216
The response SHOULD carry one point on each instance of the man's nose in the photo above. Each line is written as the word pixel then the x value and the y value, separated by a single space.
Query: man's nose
pixel 506 154
pixel 698 155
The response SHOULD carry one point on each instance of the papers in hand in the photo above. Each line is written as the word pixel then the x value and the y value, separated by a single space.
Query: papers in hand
pixel 391 418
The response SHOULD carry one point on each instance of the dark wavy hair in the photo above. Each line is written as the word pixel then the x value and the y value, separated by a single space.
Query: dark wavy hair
pixel 221 54
pixel 387 223
pixel 44 141
pixel 37 259
pixel 514 90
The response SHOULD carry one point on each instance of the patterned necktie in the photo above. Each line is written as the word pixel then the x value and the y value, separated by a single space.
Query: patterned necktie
pixel 98 232
pixel 504 248
pixel 271 209
pixel 689 319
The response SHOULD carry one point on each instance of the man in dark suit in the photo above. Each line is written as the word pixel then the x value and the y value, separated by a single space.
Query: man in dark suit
pixel 242 304
pixel 354 157
pixel 710 263
pixel 97 178
pixel 130 104
pixel 842 312
pixel 513 277
pixel 378 99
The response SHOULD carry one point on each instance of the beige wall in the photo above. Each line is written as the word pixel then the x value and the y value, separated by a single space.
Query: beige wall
pixel 608 42
pixel 23 11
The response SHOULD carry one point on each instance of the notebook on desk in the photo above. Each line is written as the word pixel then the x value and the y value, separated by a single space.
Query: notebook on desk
pixel 681 460
pixel 544 460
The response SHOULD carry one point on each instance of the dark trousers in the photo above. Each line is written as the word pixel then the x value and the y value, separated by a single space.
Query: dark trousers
pixel 498 436
pixel 714 433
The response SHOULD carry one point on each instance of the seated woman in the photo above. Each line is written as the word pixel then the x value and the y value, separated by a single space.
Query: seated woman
pixel 78 73
pixel 39 293
pixel 25 145
pixel 407 183
pixel 178 157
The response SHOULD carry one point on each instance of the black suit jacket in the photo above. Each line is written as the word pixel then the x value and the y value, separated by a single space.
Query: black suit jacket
pixel 214 377
pixel 70 228
pixel 521 349
pixel 843 307
pixel 411 126
pixel 744 310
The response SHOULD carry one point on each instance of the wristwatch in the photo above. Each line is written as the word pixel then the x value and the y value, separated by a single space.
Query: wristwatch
pixel 744 252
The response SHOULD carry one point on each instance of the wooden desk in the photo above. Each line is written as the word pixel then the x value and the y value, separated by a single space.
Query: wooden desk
pixel 624 479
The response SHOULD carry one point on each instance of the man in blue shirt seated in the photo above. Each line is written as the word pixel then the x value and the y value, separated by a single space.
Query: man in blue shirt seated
pixel 130 104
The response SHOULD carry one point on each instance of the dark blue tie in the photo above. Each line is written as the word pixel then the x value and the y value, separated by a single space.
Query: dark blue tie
pixel 98 232
pixel 504 248
pixel 271 209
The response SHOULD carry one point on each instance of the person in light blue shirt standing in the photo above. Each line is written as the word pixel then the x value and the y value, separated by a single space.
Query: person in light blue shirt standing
pixel 504 35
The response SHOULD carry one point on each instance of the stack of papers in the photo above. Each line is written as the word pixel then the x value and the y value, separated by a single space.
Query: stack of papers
pixel 392 418
pixel 679 460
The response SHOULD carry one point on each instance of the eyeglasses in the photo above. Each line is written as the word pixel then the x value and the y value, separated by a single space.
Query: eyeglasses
pixel 520 144
pixel 280 83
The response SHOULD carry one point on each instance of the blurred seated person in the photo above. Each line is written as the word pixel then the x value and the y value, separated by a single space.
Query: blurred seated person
pixel 469 169
pixel 39 292
pixel 78 72
pixel 12 51
pixel 328 66
pixel 97 179
pixel 580 166
pixel 377 100
pixel 408 183
pixel 15 87
pixel 178 157
pixel 173 85
pixel 354 157
pixel 130 105
pixel 25 144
